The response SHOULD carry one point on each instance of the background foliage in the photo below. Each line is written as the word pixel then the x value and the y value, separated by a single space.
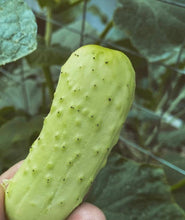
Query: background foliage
pixel 145 175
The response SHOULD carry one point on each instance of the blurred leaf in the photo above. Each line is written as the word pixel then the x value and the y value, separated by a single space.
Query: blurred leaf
pixel 164 79
pixel 58 4
pixel 178 160
pixel 174 139
pixel 18 129
pixel 174 177
pixel 174 103
pixel 66 13
pixel 144 114
pixel 51 55
pixel 128 190
pixel 48 3
pixel 18 31
pixel 156 72
pixel 16 138
pixel 7 113
pixel 14 96
pixel 71 33
pixel 33 4
pixel 100 13
pixel 67 5
pixel 116 34
pixel 22 94
pixel 94 9
pixel 144 93
pixel 156 29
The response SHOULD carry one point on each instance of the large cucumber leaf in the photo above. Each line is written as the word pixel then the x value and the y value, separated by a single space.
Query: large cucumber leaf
pixel 18 30
pixel 128 190
pixel 155 28
pixel 17 135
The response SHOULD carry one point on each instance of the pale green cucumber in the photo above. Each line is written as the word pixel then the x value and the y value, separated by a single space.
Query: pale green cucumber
pixel 94 94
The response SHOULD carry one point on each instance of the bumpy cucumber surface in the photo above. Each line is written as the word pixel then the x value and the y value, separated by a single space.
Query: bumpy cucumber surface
pixel 91 102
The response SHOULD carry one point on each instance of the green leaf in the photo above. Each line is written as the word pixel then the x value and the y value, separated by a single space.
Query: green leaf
pixel 68 6
pixel 7 113
pixel 48 55
pixel 144 114
pixel 156 29
pixel 16 137
pixel 174 103
pixel 128 190
pixel 156 73
pixel 66 11
pixel 116 34
pixel 58 4
pixel 18 30
pixel 173 139
pixel 178 160
pixel 144 93
pixel 174 177
pixel 48 3
pixel 71 33
pixel 94 9
pixel 13 95
pixel 24 94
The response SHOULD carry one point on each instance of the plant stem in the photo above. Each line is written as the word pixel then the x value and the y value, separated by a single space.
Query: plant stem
pixel 49 27
pixel 49 80
pixel 178 185
pixel 43 97
pixel 47 38
pixel 83 23
pixel 105 32
pixel 24 91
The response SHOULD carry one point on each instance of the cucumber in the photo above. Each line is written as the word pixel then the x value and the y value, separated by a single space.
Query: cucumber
pixel 91 102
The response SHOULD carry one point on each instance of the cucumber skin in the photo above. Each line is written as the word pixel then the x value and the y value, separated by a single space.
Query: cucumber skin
pixel 92 99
